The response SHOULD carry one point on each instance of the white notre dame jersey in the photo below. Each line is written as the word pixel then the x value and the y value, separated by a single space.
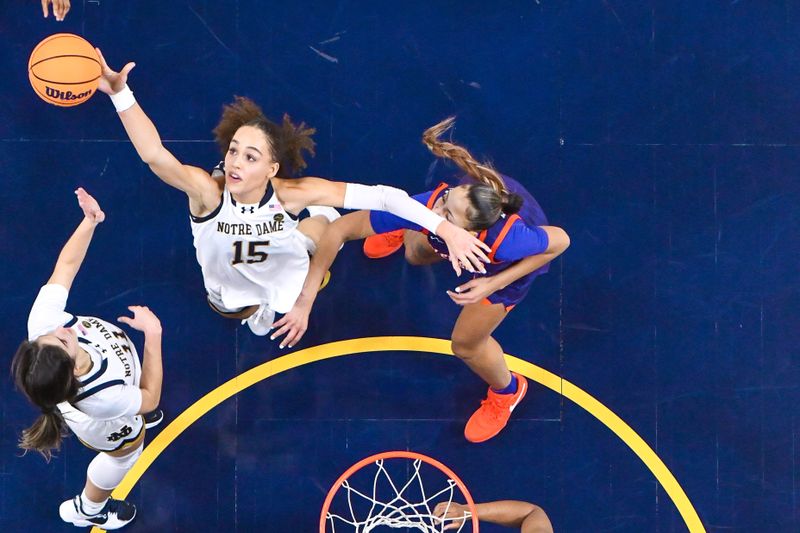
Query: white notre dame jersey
pixel 115 368
pixel 103 415
pixel 251 254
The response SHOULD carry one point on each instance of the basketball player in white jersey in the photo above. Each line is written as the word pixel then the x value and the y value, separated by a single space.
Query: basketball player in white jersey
pixel 250 246
pixel 84 373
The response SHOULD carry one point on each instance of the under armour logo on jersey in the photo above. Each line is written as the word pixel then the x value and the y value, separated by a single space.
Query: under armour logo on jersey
pixel 252 208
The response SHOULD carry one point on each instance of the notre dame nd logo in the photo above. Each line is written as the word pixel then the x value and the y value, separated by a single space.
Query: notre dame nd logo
pixel 121 434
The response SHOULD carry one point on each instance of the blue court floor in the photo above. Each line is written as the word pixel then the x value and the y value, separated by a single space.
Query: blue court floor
pixel 663 136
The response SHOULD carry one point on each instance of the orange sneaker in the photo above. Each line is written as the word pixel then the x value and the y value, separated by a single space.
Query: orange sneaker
pixel 383 244
pixel 494 412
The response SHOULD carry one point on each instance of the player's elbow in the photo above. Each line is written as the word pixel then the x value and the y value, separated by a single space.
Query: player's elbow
pixel 150 401
pixel 537 521
pixel 565 241
pixel 149 154
pixel 559 240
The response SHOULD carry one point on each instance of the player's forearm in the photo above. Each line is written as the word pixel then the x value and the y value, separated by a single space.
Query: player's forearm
pixel 519 269
pixel 558 242
pixel 142 133
pixel 73 253
pixel 321 261
pixel 152 369
pixel 508 513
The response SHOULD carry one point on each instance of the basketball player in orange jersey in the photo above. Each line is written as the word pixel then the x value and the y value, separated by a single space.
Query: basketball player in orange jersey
pixel 253 251
pixel 505 216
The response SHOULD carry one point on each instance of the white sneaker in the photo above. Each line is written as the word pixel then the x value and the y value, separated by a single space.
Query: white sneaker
pixel 114 514
pixel 260 322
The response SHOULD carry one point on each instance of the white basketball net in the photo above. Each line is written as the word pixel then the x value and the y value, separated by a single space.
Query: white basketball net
pixel 398 511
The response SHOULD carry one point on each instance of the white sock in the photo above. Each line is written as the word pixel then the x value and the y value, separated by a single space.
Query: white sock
pixel 89 507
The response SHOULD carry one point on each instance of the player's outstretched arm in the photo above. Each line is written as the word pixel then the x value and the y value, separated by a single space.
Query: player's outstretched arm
pixel 74 251
pixel 194 181
pixel 465 250
pixel 528 517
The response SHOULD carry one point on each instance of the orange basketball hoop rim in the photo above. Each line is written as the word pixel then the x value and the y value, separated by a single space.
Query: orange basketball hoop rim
pixel 399 454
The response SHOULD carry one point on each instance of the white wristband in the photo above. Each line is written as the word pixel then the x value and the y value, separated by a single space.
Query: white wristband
pixel 123 99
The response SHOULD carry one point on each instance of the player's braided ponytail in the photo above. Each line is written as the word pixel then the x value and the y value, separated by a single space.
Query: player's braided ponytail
pixel 489 198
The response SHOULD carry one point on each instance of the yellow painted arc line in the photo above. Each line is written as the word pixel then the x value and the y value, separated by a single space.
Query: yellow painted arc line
pixel 411 344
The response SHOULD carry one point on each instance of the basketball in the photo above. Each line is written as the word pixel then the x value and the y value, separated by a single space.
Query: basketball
pixel 64 70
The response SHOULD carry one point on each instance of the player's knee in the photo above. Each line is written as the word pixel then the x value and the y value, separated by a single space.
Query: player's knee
pixel 464 347
pixel 106 471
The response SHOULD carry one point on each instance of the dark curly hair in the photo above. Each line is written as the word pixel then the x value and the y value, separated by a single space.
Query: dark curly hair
pixel 287 141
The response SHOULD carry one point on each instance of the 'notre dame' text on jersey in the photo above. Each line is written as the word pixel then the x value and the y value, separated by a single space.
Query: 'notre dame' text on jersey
pixel 251 253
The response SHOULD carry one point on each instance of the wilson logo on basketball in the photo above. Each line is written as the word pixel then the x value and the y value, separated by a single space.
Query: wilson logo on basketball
pixel 67 96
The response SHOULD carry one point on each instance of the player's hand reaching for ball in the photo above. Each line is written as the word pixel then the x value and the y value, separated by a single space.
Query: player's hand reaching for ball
pixel 112 82
pixel 91 209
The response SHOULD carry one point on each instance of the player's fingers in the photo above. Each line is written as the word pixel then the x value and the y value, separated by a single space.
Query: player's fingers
pixel 475 263
pixel 465 264
pixel 466 286
pixel 478 251
pixel 456 266
pixel 289 334
pixel 44 8
pixel 124 320
pixel 455 297
pixel 296 335
pixel 477 243
pixel 279 332
pixel 103 64
pixel 463 299
pixel 126 70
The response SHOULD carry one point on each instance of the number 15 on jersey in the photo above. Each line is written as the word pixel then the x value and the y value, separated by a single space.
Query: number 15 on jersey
pixel 254 255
